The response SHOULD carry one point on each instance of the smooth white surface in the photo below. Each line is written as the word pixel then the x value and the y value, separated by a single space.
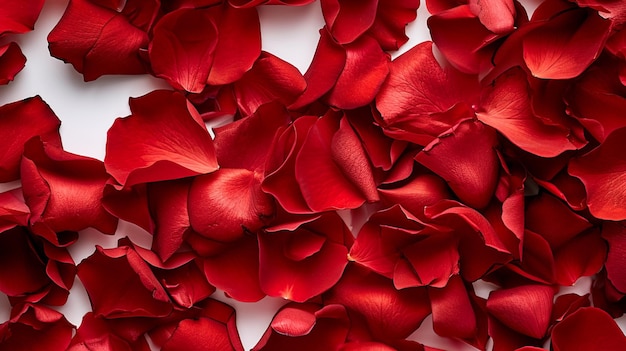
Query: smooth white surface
pixel 88 109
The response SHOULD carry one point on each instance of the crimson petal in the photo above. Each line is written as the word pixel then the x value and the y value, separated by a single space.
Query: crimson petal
pixel 35 327
pixel 19 16
pixel 11 62
pixel 587 329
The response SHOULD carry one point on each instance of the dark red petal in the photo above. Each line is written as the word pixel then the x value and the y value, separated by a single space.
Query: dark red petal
pixel 587 329
pixel 238 43
pixel 246 143
pixel 129 204
pixel 97 333
pixel 107 44
pixel 235 270
pixel 453 315
pixel 421 190
pixel 367 64
pixel 431 261
pixel 332 158
pixel 602 173
pixel 35 327
pixel 525 309
pixel 214 214
pixel 563 223
pixel 19 16
pixel 326 67
pixel 270 79
pixel 348 19
pixel 466 159
pixel 19 122
pixel 496 15
pixel 120 284
pixel 615 235
pixel 164 138
pixel 389 313
pixel 63 190
pixel 302 263
pixel 13 211
pixel 566 45
pixel 168 206
pixel 182 47
pixel 11 62
pixel 582 256
pixel 306 327
pixel 505 105
pixel 22 271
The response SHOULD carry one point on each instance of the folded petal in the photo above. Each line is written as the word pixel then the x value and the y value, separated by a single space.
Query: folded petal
pixel 19 122
pixel 602 173
pixel 453 314
pixel 465 157
pixel 164 138
pixel 392 17
pixel 35 327
pixel 348 19
pixel 525 309
pixel 11 62
pixel 13 211
pixel 586 329
pixel 64 191
pixel 270 79
pixel 108 43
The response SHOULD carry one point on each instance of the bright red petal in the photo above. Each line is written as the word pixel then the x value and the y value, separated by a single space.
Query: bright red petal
pixel 19 16
pixel 588 329
pixel 164 138
pixel 11 62
pixel 348 19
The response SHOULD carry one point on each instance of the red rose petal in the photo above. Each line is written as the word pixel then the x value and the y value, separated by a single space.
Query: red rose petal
pixel 96 333
pixel 19 16
pixel 35 327
pixel 506 107
pixel 333 159
pixel 108 43
pixel 13 211
pixel 19 122
pixel 164 138
pixel 391 20
pixel 587 329
pixel 525 309
pixel 497 15
pixel 270 79
pixel 582 256
pixel 348 19
pixel 22 271
pixel 120 284
pixel 182 47
pixel 453 315
pixel 367 64
pixel 214 214
pixel 389 313
pixel 431 261
pixel 466 159
pixel 614 234
pixel 566 45
pixel 64 191
pixel 11 62
pixel 602 173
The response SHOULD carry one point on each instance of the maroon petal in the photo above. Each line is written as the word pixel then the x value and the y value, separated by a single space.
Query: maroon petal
pixel 97 333
pixel 525 309
pixel 466 159
pixel 214 214
pixel 22 271
pixel 601 171
pixel 11 62
pixel 108 43
pixel 164 138
pixel 182 47
pixel 20 121
pixel 586 329
pixel 64 191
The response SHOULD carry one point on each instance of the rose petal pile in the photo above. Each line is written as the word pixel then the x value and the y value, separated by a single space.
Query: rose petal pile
pixel 369 193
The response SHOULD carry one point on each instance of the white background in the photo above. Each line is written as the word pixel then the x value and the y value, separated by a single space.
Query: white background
pixel 88 109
